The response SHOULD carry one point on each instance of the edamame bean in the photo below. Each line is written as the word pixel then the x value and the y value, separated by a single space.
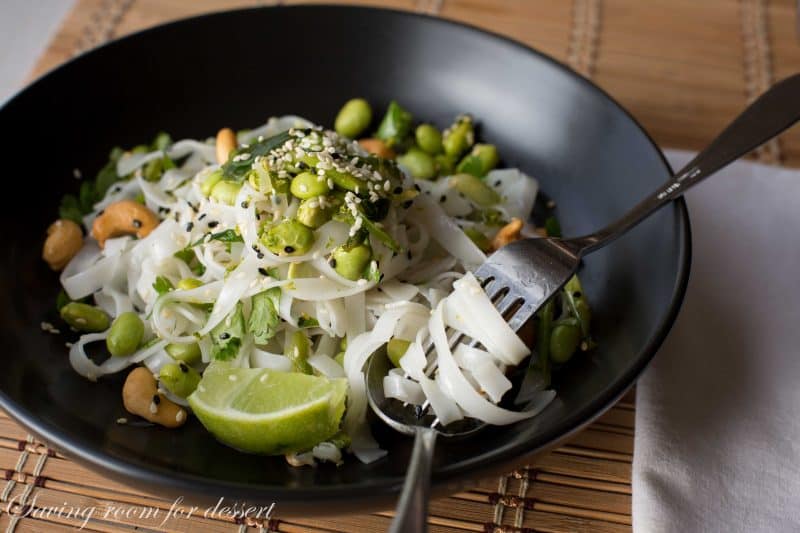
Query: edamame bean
pixel 478 237
pixel 445 164
pixel 307 185
pixel 179 378
pixel 578 304
pixel 419 163
pixel 297 350
pixel 353 118
pixel 351 261
pixel 125 334
pixel 187 284
pixel 428 138
pixel 480 161
pixel 474 189
pixel 210 181
pixel 188 353
pixel 225 192
pixel 458 137
pixel 85 317
pixel 564 340
pixel 396 349
pixel 312 215
pixel 289 237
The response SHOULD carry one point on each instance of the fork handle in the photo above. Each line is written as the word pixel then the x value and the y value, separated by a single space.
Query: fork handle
pixel 774 111
pixel 412 509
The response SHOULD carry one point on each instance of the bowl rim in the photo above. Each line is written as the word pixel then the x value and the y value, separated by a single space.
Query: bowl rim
pixel 312 500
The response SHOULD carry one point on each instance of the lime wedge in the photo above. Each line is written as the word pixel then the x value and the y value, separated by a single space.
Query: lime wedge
pixel 259 410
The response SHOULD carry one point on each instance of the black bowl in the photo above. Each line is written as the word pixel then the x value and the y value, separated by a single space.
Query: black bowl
pixel 236 69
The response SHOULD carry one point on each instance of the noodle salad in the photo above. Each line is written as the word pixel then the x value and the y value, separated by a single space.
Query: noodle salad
pixel 246 279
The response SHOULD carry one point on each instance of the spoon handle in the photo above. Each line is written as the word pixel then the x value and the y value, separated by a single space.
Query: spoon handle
pixel 771 113
pixel 412 509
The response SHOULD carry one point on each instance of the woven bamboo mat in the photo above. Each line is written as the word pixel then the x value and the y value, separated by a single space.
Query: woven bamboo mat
pixel 684 68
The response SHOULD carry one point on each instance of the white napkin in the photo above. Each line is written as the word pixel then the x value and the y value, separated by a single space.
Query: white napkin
pixel 717 444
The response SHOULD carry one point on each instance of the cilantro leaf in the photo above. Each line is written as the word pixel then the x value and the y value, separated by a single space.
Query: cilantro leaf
pixel 264 317
pixel 226 337
pixel 237 167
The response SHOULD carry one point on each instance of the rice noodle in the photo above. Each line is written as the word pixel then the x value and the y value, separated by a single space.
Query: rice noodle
pixel 412 289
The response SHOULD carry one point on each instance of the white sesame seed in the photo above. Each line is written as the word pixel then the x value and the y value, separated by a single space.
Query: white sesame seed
pixel 180 415
pixel 232 377
pixel 153 408
pixel 122 420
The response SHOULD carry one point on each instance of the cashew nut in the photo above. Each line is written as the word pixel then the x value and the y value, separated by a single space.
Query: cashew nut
pixel 140 396
pixel 226 142
pixel 64 239
pixel 124 217
pixel 377 147
pixel 508 233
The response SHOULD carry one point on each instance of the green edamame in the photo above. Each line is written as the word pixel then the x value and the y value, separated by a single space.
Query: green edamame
pixel 125 334
pixel 579 305
pixel 459 137
pixel 85 317
pixel 308 185
pixel 297 350
pixel 289 237
pixel 478 237
pixel 480 160
pixel 351 261
pixel 419 163
pixel 396 349
pixel 445 164
pixel 395 126
pixel 209 181
pixel 225 192
pixel 179 378
pixel 564 340
pixel 188 353
pixel 353 118
pixel 187 284
pixel 428 138
pixel 474 189
pixel 162 141
pixel 312 215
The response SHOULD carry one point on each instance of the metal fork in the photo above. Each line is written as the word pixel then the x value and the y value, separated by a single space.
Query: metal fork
pixel 523 275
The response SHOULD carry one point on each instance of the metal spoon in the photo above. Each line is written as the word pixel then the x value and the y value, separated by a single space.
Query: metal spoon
pixel 523 275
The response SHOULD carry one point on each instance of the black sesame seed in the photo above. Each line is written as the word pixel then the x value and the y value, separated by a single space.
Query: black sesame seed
pixel 416 186
pixel 497 183
pixel 258 216
pixel 576 294
pixel 245 204
pixel 183 367
pixel 288 249
pixel 213 223
pixel 442 199
pixel 408 254
pixel 428 192
pixel 156 399
pixel 224 335
pixel 260 255
pixel 137 223
pixel 100 213
pixel 380 278
pixel 302 165
pixel 398 190
pixel 332 262
pixel 202 216
pixel 263 271
pixel 194 207
pixel 117 188
pixel 407 204
pixel 190 226
pixel 136 308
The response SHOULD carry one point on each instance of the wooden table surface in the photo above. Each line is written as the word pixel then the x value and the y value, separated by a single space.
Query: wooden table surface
pixel 683 68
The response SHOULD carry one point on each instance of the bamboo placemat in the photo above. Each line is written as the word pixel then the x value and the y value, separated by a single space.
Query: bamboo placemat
pixel 683 68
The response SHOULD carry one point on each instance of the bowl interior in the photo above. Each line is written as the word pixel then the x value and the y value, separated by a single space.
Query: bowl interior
pixel 238 68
